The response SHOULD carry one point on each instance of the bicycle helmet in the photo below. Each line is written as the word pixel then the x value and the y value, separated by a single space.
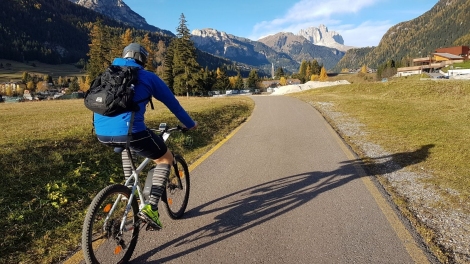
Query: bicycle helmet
pixel 137 52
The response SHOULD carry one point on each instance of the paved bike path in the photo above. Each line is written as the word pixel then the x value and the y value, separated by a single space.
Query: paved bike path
pixel 283 189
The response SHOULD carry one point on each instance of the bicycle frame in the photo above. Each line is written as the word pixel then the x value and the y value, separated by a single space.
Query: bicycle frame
pixel 136 186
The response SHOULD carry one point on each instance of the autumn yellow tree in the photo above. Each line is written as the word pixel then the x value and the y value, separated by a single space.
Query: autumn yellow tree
pixel 42 86
pixel 31 86
pixel 364 69
pixel 283 81
pixel 314 77
pixel 233 80
pixel 323 74
pixel 127 38
pixel 147 43
pixel 308 72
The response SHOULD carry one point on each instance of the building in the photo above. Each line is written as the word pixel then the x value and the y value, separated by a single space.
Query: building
pixel 10 88
pixel 441 58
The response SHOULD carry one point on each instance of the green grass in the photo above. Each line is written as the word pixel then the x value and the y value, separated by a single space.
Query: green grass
pixel 403 115
pixel 411 116
pixel 52 166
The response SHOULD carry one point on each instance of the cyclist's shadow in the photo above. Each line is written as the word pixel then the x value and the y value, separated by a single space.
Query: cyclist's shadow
pixel 255 205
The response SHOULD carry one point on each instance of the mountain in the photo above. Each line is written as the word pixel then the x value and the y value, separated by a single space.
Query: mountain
pixel 322 37
pixel 241 50
pixel 299 48
pixel 119 11
pixel 445 25
pixel 284 50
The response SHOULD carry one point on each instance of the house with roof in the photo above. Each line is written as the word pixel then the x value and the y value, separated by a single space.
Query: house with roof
pixel 435 61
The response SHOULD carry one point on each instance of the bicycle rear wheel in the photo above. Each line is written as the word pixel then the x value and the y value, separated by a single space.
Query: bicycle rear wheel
pixel 176 195
pixel 102 241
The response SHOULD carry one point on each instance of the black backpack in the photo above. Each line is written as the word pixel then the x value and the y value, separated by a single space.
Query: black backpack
pixel 112 92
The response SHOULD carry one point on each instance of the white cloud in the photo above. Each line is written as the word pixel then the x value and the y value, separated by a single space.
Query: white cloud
pixel 369 33
pixel 332 13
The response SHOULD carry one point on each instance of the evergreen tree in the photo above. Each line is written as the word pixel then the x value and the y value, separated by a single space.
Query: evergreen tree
pixel 168 75
pixel 302 71
pixel 222 81
pixel 279 73
pixel 185 68
pixel 315 67
pixel 253 79
pixel 239 82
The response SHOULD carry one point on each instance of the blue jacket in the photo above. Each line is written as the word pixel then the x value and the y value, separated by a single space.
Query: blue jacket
pixel 148 84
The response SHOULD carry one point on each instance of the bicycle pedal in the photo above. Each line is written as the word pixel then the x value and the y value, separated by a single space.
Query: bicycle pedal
pixel 150 227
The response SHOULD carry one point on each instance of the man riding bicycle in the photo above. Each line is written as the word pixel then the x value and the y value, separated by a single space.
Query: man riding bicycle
pixel 144 142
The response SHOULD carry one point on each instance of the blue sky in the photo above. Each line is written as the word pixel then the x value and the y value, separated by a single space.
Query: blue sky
pixel 361 23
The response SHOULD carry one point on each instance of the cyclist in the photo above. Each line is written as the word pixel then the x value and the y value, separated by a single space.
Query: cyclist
pixel 144 142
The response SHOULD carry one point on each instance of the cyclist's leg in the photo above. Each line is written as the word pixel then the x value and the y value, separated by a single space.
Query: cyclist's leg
pixel 149 145
pixel 126 164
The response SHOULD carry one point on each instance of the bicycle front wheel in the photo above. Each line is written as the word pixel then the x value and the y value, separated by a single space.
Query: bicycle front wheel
pixel 103 241
pixel 176 195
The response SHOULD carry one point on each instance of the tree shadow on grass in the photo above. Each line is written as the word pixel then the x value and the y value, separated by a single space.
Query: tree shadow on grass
pixel 394 162
pixel 240 211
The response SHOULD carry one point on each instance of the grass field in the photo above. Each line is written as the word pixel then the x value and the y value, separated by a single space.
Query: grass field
pixel 52 165
pixel 405 115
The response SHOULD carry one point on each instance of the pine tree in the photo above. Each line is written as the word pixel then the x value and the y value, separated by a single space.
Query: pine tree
pixel 253 79
pixel 168 75
pixel 302 71
pixel 222 81
pixel 279 73
pixel 184 66
pixel 315 67
pixel 239 82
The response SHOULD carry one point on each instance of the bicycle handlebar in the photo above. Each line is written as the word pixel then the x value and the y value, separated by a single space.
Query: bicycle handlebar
pixel 164 129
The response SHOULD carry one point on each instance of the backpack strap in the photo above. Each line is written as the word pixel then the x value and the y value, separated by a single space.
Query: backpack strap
pixel 129 132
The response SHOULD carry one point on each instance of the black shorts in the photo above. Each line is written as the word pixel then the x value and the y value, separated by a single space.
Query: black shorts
pixel 145 143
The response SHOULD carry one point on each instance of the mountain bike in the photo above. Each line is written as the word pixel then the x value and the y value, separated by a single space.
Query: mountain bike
pixel 111 226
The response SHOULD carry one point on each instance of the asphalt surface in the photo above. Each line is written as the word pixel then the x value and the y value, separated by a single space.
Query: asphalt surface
pixel 282 189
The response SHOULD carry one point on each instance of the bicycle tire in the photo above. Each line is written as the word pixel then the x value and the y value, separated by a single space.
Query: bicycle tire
pixel 102 244
pixel 176 195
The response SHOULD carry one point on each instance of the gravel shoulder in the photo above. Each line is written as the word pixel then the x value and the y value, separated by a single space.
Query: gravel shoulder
pixel 450 228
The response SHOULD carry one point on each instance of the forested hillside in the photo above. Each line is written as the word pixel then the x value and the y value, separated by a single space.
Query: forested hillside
pixel 445 25
pixel 58 31
pixel 50 31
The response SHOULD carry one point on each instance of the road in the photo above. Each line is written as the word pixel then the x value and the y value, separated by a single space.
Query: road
pixel 282 189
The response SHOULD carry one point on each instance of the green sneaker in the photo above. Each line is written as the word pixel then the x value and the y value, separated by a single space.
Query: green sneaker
pixel 150 216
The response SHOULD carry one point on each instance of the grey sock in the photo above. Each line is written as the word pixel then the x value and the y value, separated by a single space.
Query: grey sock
pixel 126 164
pixel 160 176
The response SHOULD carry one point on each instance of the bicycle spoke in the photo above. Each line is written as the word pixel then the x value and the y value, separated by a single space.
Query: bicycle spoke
pixel 107 242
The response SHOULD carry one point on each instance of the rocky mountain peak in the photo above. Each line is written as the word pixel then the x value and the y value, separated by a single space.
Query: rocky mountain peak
pixel 322 37
pixel 208 34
